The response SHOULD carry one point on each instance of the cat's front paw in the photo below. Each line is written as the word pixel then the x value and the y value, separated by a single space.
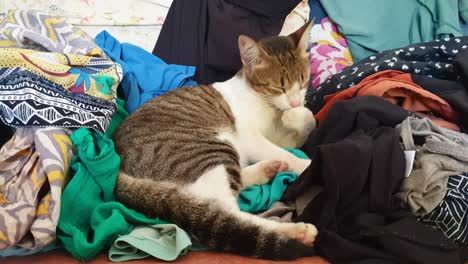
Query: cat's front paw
pixel 299 165
pixel 299 119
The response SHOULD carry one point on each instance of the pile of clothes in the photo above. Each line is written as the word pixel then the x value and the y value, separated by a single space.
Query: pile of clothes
pixel 388 182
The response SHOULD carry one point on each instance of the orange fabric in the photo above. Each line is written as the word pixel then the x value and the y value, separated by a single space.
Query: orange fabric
pixel 398 88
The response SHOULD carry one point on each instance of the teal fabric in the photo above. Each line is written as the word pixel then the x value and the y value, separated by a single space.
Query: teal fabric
pixel 463 6
pixel 118 118
pixel 90 218
pixel 163 241
pixel 259 198
pixel 372 26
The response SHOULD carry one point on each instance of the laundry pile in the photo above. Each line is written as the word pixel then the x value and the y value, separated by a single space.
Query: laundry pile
pixel 388 182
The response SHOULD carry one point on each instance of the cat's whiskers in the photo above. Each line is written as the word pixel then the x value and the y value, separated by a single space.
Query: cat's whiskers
pixel 269 101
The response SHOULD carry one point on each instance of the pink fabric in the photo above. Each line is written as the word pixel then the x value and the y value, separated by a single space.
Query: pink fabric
pixel 329 52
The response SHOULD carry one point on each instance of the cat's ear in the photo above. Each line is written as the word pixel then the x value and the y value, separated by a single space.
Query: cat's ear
pixel 249 50
pixel 301 37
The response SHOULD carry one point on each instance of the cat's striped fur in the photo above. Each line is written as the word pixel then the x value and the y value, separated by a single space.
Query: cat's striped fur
pixel 185 153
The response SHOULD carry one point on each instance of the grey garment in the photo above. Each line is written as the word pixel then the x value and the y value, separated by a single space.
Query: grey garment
pixel 282 212
pixel 444 153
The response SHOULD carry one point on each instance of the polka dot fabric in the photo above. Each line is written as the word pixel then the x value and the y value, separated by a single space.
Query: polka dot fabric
pixel 433 59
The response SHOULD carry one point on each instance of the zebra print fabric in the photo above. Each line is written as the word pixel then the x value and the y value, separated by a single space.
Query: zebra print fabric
pixel 451 216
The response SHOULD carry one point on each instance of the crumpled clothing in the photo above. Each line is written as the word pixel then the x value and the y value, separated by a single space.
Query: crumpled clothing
pixel 74 61
pixel 444 153
pixel 437 59
pixel 397 88
pixel 145 75
pixel 259 198
pixel 162 241
pixel 95 76
pixel 372 26
pixel 329 52
pixel 91 219
pixel 451 215
pixel 28 100
pixel 34 29
pixel 33 168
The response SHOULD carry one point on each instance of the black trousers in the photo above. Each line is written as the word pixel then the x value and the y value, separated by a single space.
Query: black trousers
pixel 203 33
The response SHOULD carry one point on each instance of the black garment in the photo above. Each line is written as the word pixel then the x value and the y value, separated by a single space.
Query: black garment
pixel 454 92
pixel 461 65
pixel 204 33
pixel 432 59
pixel 358 160
pixel 6 133
pixel 451 91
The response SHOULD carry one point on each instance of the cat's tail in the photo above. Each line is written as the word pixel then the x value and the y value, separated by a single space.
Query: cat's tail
pixel 207 222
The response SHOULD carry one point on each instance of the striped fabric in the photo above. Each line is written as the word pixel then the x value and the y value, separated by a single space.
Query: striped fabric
pixel 28 100
pixel 451 216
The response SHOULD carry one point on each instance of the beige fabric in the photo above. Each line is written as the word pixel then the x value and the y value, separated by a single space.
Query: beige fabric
pixel 33 166
pixel 296 19
pixel 444 153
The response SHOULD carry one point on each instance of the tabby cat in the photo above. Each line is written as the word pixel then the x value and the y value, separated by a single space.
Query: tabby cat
pixel 186 154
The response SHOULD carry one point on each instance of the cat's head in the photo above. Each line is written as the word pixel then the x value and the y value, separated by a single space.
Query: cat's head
pixel 277 68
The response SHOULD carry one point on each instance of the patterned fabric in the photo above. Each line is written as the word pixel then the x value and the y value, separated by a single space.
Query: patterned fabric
pixel 141 35
pixel 33 29
pixel 29 100
pixel 433 59
pixel 87 71
pixel 451 216
pixel 329 52
pixel 94 76
pixel 98 12
pixel 33 166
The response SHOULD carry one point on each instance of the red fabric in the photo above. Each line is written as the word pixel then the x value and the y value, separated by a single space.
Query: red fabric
pixel 398 88
pixel 191 258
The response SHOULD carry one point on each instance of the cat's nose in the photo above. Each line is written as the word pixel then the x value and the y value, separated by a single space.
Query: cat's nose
pixel 295 102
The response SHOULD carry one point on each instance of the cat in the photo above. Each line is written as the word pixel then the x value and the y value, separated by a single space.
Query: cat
pixel 185 155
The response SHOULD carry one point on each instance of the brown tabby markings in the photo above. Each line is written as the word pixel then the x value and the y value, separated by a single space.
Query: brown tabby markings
pixel 173 137
pixel 172 140
pixel 280 54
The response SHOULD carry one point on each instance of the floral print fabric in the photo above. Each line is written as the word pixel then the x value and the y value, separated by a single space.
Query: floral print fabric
pixel 329 52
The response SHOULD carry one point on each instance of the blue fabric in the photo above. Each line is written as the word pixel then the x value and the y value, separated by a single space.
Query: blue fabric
pixel 145 75
pixel 259 198
pixel 316 11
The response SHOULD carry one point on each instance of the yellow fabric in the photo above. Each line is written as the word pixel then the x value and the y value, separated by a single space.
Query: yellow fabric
pixel 95 76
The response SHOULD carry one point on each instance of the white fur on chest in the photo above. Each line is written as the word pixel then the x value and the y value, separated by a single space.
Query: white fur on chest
pixel 250 111
pixel 251 114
